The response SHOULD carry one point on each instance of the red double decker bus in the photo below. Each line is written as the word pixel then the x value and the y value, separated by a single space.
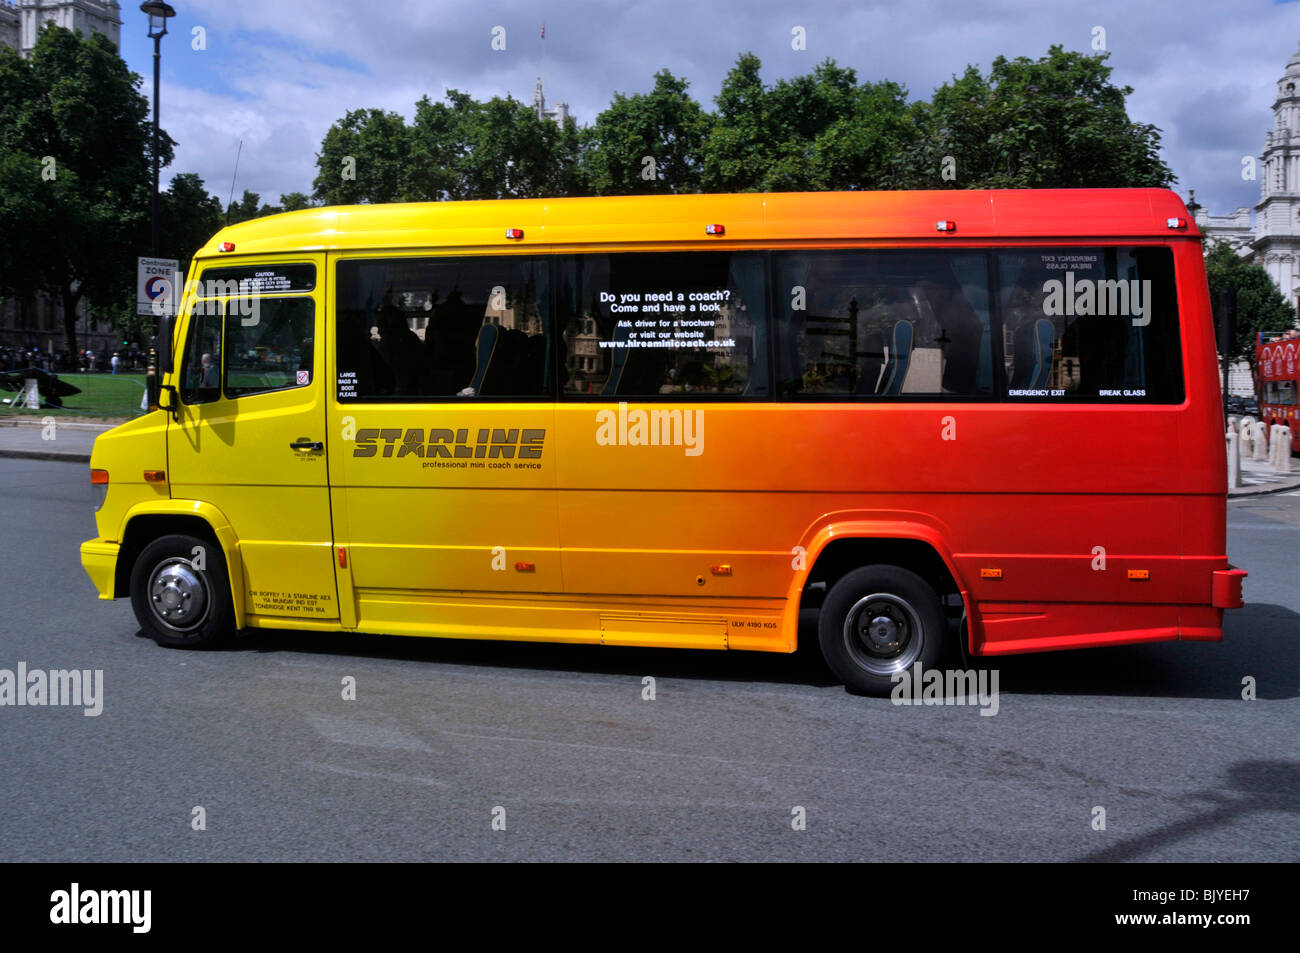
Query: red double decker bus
pixel 1277 363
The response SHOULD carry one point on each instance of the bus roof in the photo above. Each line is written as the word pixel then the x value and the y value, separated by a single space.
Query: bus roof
pixel 756 217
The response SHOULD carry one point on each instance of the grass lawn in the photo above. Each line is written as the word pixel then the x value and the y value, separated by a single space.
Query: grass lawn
pixel 102 395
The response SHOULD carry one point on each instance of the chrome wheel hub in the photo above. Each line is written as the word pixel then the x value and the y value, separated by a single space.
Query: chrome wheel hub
pixel 883 633
pixel 178 595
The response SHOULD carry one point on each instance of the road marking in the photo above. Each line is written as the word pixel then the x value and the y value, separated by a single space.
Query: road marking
pixel 381 775
pixel 350 731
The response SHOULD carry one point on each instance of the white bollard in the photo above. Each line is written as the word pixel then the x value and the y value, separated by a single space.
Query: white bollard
pixel 32 394
pixel 1282 463
pixel 1244 428
pixel 1234 459
pixel 1259 440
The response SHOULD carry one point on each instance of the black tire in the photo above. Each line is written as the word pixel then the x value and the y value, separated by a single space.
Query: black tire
pixel 909 630
pixel 177 604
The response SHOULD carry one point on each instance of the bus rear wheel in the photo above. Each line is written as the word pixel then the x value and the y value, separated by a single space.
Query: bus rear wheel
pixel 876 622
pixel 181 593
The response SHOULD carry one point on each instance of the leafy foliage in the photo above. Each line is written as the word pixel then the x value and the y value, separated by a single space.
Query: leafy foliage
pixel 1260 305
pixel 75 177
pixel 650 143
pixel 1055 122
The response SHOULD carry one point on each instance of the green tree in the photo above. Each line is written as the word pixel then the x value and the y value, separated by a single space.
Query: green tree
pixel 820 131
pixel 189 216
pixel 295 201
pixel 1054 122
pixel 665 125
pixel 75 141
pixel 363 158
pixel 249 206
pixel 466 149
pixel 736 155
pixel 439 139
pixel 511 152
pixel 1260 305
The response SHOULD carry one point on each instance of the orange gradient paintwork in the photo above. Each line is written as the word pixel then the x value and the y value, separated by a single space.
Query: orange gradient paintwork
pixel 619 544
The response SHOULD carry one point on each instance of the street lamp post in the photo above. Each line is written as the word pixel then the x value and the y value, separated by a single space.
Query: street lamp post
pixel 158 14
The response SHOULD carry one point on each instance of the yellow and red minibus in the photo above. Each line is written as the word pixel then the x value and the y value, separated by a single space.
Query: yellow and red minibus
pixel 684 420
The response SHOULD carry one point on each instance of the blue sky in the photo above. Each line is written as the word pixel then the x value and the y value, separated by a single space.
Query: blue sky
pixel 277 73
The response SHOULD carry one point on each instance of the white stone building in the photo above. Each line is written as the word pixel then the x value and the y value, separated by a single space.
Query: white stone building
pixel 10 30
pixel 1273 238
pixel 1277 216
pixel 557 113
pixel 21 20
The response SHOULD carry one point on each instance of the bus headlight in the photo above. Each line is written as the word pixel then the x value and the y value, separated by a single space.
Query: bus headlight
pixel 98 487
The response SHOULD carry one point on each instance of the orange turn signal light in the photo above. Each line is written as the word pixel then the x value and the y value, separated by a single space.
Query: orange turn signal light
pixel 155 476
pixel 524 567
pixel 1139 574
pixel 990 573
pixel 98 476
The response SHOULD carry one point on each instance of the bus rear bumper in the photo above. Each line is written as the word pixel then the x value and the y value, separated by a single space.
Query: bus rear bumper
pixel 1227 589
pixel 99 559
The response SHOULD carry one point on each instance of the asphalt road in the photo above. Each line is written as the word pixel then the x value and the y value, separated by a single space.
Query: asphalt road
pixel 443 732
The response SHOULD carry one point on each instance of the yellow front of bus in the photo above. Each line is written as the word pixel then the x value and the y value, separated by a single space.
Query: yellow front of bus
pixel 214 511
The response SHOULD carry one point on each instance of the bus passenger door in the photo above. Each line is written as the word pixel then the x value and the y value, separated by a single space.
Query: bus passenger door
pixel 251 433
pixel 442 452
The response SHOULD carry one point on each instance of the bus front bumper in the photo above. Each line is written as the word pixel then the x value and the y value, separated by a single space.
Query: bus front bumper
pixel 99 559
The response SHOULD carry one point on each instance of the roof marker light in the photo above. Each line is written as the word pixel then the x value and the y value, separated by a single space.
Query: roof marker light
pixel 514 234
pixel 226 246
pixel 945 225
pixel 715 230
pixel 1176 222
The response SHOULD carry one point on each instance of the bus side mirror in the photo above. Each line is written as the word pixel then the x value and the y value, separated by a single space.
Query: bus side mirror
pixel 173 405
pixel 163 343
pixel 160 363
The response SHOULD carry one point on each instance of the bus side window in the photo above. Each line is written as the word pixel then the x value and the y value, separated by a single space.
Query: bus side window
pixel 445 328
pixel 201 374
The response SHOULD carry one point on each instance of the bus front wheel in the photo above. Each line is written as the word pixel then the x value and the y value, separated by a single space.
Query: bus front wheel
pixel 878 621
pixel 181 593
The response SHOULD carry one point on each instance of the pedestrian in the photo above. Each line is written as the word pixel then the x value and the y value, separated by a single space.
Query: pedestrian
pixel 208 373
pixel 115 362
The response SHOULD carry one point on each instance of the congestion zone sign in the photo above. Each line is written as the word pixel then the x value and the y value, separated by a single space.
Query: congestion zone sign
pixel 154 280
